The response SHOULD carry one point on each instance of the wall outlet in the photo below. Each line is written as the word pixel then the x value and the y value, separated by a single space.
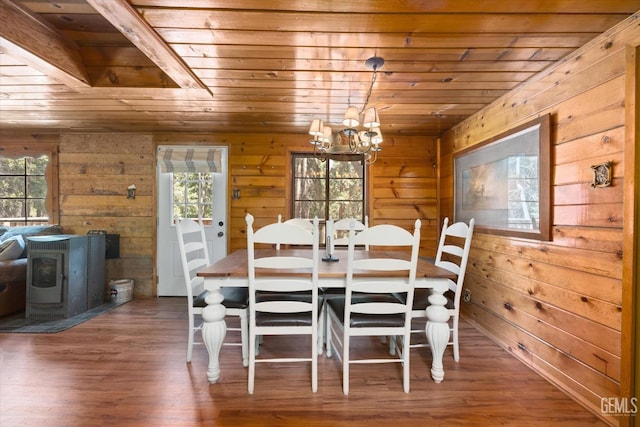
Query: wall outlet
pixel 466 295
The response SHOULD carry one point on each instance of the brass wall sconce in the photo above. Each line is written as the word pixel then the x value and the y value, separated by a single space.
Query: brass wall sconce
pixel 601 175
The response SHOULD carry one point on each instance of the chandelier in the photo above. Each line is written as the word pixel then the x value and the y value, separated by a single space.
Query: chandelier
pixel 350 140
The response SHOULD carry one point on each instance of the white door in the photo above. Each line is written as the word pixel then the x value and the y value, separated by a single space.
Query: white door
pixel 189 194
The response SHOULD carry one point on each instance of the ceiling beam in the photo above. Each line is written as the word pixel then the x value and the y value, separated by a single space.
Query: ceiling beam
pixel 129 22
pixel 24 36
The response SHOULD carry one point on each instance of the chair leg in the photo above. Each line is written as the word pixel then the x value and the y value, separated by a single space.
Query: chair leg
pixel 244 337
pixel 314 360
pixel 345 364
pixel 258 341
pixel 190 338
pixel 252 362
pixel 392 345
pixel 321 331
pixel 405 362
pixel 454 336
pixel 328 332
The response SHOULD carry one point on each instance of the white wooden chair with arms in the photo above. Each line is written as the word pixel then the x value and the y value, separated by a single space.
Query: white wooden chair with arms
pixel 369 306
pixel 282 305
pixel 194 255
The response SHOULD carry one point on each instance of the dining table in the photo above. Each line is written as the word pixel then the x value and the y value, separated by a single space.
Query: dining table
pixel 232 271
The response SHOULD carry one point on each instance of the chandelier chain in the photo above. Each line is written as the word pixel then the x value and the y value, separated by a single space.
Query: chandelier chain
pixel 373 80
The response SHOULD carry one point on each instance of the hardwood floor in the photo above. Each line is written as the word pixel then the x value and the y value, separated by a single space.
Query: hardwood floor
pixel 127 368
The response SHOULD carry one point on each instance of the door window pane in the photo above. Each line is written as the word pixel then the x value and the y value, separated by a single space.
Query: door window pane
pixel 193 196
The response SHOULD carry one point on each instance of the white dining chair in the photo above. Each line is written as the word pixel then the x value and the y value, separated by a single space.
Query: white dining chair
pixel 300 222
pixel 370 306
pixel 282 305
pixel 341 238
pixel 341 230
pixel 194 255
pixel 452 254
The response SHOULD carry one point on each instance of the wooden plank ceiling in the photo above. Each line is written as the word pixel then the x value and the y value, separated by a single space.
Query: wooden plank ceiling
pixel 273 66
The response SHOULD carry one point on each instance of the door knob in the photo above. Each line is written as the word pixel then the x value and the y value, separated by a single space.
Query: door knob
pixel 220 234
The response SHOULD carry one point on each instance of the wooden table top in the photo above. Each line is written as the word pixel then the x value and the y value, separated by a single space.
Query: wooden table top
pixel 235 264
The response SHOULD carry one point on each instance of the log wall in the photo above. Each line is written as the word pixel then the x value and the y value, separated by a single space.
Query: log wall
pixel 557 305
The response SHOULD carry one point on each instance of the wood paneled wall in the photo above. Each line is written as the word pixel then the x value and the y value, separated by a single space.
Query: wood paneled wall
pixel 557 305
pixel 402 183
pixel 95 171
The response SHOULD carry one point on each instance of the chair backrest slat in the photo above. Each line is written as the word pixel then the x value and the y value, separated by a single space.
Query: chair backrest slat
pixel 283 262
pixel 453 250
pixel 381 264
pixel 384 235
pixel 381 286
pixel 452 267
pixel 378 308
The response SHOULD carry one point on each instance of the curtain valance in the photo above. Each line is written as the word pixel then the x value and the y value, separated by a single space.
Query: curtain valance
pixel 189 159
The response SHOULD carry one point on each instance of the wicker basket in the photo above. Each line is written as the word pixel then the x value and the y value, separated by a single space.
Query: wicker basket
pixel 121 290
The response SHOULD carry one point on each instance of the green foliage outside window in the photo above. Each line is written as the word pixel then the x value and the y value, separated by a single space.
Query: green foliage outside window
pixel 522 182
pixel 332 189
pixel 193 196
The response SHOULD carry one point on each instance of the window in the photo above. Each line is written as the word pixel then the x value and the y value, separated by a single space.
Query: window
pixel 332 189
pixel 192 195
pixel 28 186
